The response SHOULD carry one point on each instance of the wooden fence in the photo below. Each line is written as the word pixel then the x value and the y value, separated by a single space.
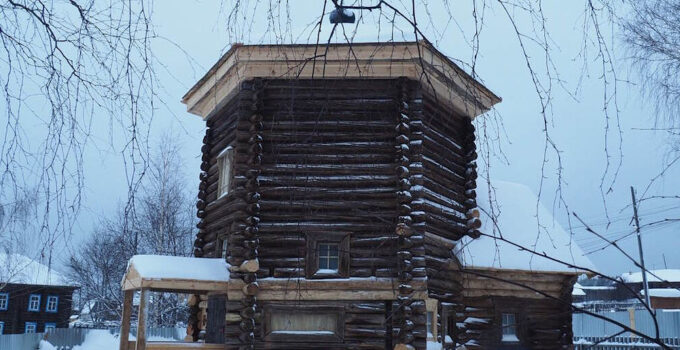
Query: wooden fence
pixel 67 338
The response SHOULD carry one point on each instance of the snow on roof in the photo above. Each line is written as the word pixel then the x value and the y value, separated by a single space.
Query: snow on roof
pixel 516 209
pixel 663 292
pixel 670 275
pixel 20 269
pixel 149 268
pixel 578 290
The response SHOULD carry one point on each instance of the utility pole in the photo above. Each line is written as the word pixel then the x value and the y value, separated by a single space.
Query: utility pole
pixel 665 266
pixel 639 239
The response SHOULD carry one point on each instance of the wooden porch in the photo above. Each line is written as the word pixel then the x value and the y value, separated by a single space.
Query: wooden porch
pixel 147 273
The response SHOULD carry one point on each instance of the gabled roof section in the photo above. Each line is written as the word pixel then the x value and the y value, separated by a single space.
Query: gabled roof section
pixel 19 269
pixel 517 206
pixel 171 273
pixel 416 60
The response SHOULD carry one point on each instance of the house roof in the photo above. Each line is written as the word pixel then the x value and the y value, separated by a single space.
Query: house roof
pixel 20 269
pixel 670 275
pixel 162 272
pixel 516 208
pixel 442 77
pixel 663 292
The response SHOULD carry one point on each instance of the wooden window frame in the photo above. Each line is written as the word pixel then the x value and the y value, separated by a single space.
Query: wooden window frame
pixel 312 256
pixel 2 327
pixel 6 301
pixel 339 311
pixel 447 311
pixel 221 247
pixel 35 327
pixel 56 304
pixel 49 325
pixel 515 326
pixel 432 306
pixel 30 297
pixel 228 154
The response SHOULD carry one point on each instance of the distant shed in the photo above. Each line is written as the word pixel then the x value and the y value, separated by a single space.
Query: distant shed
pixel 664 298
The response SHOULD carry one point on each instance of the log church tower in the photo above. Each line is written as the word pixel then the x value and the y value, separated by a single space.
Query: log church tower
pixel 335 182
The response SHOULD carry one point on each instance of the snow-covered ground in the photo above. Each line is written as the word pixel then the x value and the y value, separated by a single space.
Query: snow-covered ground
pixel 94 340
pixel 99 339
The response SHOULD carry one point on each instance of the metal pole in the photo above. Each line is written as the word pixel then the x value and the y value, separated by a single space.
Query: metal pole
pixel 639 239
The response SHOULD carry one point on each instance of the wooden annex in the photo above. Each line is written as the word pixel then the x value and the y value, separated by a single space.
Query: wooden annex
pixel 336 182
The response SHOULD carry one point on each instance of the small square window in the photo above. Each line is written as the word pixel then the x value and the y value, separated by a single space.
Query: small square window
pixel 34 302
pixel 50 327
pixel 329 257
pixel 31 327
pixel 52 303
pixel 4 301
pixel 509 326
pixel 224 163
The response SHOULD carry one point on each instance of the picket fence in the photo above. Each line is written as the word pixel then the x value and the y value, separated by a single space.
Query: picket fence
pixel 67 338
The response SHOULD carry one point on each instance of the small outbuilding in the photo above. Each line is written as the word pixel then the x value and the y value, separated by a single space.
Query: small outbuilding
pixel 514 298
pixel 664 298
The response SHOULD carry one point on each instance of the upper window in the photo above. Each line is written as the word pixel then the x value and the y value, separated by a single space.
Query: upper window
pixel 4 301
pixel 50 327
pixel 34 302
pixel 31 327
pixel 509 325
pixel 327 255
pixel 303 323
pixel 52 303
pixel 224 162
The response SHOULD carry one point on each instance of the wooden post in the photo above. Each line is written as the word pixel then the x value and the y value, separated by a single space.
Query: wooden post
pixel 125 321
pixel 141 322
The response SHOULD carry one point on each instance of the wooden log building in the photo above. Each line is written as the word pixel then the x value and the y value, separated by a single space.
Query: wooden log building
pixel 33 297
pixel 337 188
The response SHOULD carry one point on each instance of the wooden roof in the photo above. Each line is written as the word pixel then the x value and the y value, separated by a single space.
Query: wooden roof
pixel 416 60
pixel 176 273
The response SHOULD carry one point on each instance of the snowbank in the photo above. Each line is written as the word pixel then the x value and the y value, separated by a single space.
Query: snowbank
pixel 670 275
pixel 96 339
pixel 516 209
pixel 578 290
pixel 20 269
pixel 100 339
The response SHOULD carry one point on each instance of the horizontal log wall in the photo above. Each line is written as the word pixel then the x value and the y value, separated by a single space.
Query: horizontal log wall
pixel 542 323
pixel 366 325
pixel 328 165
pixel 445 142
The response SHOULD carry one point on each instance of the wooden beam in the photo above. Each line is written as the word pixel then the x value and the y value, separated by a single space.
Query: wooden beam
pixel 125 320
pixel 141 321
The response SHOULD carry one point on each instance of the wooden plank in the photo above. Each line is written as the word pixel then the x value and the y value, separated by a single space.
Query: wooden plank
pixel 125 319
pixel 141 321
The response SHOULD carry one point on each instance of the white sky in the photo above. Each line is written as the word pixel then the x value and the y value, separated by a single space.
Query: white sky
pixel 576 124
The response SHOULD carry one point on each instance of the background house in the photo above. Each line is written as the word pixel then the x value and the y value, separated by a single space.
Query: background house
pixel 33 297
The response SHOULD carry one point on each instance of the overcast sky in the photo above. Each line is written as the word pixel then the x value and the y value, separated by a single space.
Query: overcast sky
pixel 576 122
